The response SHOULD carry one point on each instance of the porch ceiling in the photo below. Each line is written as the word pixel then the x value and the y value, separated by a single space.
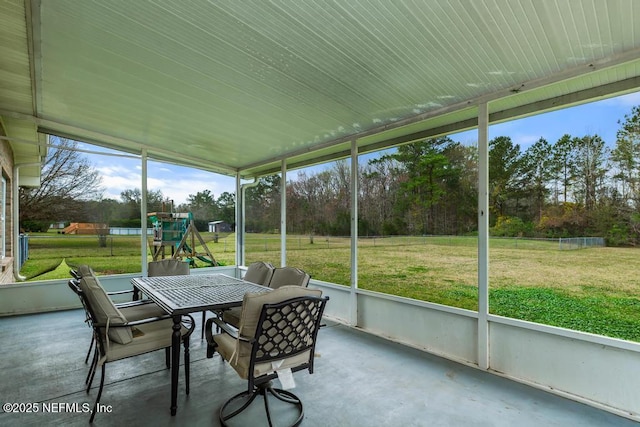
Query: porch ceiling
pixel 233 86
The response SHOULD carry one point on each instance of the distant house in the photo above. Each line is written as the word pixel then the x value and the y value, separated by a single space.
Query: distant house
pixel 219 227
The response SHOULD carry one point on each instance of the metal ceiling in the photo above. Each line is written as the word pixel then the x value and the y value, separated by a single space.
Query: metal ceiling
pixel 237 86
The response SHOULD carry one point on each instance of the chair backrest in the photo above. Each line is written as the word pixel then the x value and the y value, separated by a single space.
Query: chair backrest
pixel 289 276
pixel 259 272
pixel 168 267
pixel 102 309
pixel 284 324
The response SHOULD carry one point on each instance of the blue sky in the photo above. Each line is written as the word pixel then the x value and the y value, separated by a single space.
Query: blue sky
pixel 176 183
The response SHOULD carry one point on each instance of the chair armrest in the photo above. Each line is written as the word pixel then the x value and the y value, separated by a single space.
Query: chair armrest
pixel 224 327
pixel 187 321
pixel 130 291
pixel 133 303
pixel 133 323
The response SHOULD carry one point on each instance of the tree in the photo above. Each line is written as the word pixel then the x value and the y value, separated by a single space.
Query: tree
pixel 132 201
pixel 379 192
pixel 591 156
pixel 67 180
pixel 563 166
pixel 504 164
pixel 626 156
pixel 426 169
pixel 227 207
pixel 536 173
pixel 203 206
pixel 263 204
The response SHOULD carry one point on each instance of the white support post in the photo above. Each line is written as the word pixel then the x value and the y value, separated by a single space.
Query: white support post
pixel 483 237
pixel 239 222
pixel 143 213
pixel 15 218
pixel 354 234
pixel 283 215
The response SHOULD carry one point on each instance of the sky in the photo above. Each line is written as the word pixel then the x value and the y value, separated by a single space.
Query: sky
pixel 177 183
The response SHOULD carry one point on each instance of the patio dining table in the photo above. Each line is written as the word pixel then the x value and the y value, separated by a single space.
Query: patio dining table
pixel 179 295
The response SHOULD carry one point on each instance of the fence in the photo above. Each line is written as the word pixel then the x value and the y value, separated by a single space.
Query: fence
pixel 262 243
pixel 128 231
pixel 580 243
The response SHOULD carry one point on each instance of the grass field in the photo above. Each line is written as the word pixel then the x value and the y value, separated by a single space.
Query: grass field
pixel 593 290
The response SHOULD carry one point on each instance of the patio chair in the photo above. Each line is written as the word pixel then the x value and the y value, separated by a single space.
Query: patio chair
pixel 167 267
pixel 277 329
pixel 134 310
pixel 137 310
pixel 289 276
pixel 118 338
pixel 85 270
pixel 172 267
pixel 259 272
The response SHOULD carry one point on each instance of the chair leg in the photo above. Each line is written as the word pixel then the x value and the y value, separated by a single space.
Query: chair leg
pixel 204 317
pixel 251 397
pixel 95 405
pixel 167 357
pixel 187 361
pixel 92 370
pixel 86 359
pixel 264 390
pixel 211 344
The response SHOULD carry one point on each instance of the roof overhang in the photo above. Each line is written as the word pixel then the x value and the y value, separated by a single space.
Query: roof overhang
pixel 239 87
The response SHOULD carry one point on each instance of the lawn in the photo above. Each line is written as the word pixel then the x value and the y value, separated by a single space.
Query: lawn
pixel 593 290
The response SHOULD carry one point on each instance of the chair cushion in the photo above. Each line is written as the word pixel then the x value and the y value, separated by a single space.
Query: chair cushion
pixel 259 272
pixel 168 267
pixel 141 311
pixel 252 305
pixel 147 337
pixel 104 309
pixel 240 362
pixel 232 316
pixel 85 270
pixel 288 276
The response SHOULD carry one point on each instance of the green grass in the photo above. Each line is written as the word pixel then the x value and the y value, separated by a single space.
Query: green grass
pixel 595 290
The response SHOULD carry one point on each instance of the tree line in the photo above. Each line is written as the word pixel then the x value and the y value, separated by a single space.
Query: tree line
pixel 575 186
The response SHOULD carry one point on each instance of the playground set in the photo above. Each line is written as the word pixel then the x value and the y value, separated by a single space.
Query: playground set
pixel 178 232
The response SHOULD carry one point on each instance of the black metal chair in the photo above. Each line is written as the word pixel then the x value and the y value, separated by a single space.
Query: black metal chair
pixel 277 328
pixel 259 272
pixel 118 338
pixel 133 310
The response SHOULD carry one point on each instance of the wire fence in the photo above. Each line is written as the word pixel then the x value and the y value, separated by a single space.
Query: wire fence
pixel 262 243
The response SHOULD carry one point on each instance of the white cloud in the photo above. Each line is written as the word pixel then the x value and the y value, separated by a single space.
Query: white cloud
pixel 176 183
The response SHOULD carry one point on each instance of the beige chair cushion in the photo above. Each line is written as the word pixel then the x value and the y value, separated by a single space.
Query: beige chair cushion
pixel 232 316
pixel 85 270
pixel 252 305
pixel 146 337
pixel 168 267
pixel 289 276
pixel 142 311
pixel 104 309
pixel 237 352
pixel 227 346
pixel 259 272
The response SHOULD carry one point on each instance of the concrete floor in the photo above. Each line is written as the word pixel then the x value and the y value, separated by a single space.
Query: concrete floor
pixel 359 380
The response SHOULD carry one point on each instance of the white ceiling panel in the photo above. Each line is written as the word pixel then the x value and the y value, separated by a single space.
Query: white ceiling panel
pixel 240 85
